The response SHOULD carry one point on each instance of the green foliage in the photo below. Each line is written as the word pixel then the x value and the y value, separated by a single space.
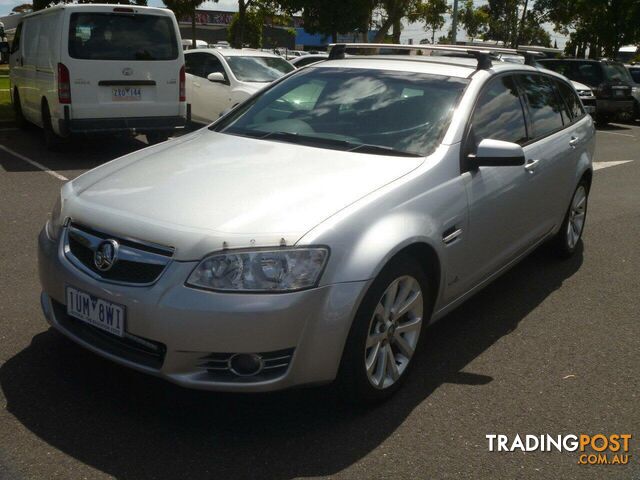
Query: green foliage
pixel 252 35
pixel 431 12
pixel 474 20
pixel 331 17
pixel 602 26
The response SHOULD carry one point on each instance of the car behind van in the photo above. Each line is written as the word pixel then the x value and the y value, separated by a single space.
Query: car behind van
pixel 78 69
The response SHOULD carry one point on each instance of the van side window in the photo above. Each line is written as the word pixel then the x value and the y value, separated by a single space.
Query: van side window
pixel 499 114
pixel 15 46
pixel 544 105
pixel 571 99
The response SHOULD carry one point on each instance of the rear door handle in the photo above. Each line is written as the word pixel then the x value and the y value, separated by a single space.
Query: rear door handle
pixel 574 142
pixel 531 165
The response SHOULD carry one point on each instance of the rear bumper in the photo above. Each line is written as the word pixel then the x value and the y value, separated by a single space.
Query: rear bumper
pixel 615 106
pixel 98 125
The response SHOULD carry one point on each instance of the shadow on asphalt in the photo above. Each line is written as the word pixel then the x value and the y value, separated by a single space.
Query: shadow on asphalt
pixel 133 426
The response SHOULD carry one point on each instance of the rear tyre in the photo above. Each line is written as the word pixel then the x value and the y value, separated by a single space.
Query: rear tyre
pixel 17 109
pixel 51 140
pixel 386 332
pixel 156 137
pixel 566 241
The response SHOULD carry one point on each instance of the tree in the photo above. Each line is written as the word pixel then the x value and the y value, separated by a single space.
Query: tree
pixel 395 11
pixel 186 9
pixel 601 26
pixel 24 8
pixel 331 17
pixel 474 20
pixel 252 35
pixel 432 14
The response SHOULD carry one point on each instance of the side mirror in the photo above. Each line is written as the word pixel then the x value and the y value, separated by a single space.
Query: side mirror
pixel 216 77
pixel 496 153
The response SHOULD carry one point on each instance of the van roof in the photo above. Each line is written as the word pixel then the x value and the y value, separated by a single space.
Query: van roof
pixel 99 7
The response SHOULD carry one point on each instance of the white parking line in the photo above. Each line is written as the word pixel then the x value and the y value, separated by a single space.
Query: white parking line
pixel 599 165
pixel 616 133
pixel 34 163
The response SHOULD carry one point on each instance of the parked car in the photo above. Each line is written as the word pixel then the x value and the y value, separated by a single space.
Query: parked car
pixel 634 71
pixel 314 232
pixel 98 69
pixel 610 82
pixel 187 44
pixel 310 59
pixel 221 78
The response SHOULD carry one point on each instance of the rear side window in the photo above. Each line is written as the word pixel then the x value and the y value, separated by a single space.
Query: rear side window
pixel 544 105
pixel 110 36
pixel 15 46
pixel 499 114
pixel 571 100
pixel 635 74
pixel 589 73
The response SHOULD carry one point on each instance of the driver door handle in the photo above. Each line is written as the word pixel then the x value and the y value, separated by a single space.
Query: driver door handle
pixel 531 165
pixel 574 142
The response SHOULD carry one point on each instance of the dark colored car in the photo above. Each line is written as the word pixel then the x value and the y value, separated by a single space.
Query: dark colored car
pixel 610 81
pixel 634 71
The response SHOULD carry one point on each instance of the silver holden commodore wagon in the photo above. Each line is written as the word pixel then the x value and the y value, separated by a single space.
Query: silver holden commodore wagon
pixel 316 230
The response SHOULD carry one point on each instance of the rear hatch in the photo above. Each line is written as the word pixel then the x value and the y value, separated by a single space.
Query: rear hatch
pixel 123 62
pixel 618 81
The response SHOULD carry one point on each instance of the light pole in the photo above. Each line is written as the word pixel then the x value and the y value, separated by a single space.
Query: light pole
pixel 454 23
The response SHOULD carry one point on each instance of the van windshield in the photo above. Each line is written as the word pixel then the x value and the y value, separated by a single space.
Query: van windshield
pixel 111 36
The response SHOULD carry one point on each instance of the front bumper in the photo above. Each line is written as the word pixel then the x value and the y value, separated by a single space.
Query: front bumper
pixel 191 325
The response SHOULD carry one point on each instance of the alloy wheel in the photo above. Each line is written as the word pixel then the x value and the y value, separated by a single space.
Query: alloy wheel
pixel 393 332
pixel 577 215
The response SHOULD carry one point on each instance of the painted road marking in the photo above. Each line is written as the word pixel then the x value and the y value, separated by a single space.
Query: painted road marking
pixel 616 133
pixel 34 163
pixel 600 165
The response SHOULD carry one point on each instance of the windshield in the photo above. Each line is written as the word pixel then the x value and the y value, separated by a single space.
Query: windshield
pixel 617 71
pixel 371 111
pixel 110 36
pixel 258 69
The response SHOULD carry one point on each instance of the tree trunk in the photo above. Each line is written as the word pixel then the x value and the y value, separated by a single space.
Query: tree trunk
pixel 433 36
pixel 397 29
pixel 238 39
pixel 334 37
pixel 384 28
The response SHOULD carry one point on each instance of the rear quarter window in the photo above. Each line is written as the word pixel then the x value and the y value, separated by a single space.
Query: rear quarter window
pixel 115 36
pixel 571 99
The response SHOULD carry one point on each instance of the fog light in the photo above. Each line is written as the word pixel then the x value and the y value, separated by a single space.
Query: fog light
pixel 246 364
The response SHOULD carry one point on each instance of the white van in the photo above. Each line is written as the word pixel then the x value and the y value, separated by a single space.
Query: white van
pixel 99 68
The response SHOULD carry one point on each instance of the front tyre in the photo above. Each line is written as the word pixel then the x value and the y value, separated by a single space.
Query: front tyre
pixel 386 332
pixel 567 239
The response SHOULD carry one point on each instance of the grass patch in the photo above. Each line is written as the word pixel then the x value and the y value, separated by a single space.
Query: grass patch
pixel 6 109
pixel 4 69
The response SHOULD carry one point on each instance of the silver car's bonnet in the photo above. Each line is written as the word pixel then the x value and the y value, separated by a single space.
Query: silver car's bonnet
pixel 211 188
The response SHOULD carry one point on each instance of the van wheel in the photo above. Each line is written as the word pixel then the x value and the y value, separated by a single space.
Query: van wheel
pixel 51 140
pixel 566 241
pixel 386 332
pixel 156 137
pixel 17 108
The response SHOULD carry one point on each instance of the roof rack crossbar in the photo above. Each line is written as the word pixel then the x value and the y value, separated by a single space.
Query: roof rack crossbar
pixel 530 56
pixel 482 54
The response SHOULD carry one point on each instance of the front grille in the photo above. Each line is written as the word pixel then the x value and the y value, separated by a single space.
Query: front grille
pixel 142 351
pixel 138 263
pixel 275 363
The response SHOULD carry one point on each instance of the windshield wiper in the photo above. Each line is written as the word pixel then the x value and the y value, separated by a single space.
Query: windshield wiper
pixel 336 144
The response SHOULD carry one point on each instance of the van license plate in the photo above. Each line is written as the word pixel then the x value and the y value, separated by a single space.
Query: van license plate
pixel 95 311
pixel 126 94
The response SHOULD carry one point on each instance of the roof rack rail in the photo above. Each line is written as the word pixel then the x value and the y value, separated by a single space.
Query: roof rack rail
pixel 482 54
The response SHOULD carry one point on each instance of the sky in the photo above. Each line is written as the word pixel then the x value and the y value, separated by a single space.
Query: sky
pixel 414 31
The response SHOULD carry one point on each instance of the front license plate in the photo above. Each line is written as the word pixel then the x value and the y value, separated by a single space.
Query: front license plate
pixel 126 94
pixel 95 311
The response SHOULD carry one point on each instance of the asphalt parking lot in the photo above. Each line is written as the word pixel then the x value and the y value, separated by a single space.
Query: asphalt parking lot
pixel 551 347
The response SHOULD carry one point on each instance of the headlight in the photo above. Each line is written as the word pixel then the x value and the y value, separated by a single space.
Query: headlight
pixel 280 270
pixel 54 224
